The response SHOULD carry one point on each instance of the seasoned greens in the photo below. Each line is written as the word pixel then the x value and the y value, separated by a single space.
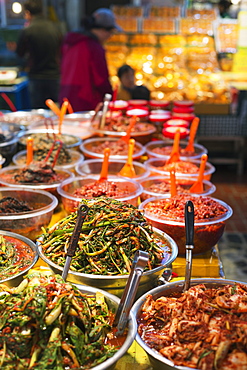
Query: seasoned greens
pixel 111 234
pixel 46 323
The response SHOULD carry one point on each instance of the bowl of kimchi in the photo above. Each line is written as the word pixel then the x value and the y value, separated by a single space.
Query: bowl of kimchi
pixel 26 211
pixel 84 312
pixel 18 256
pixel 94 148
pixel 183 168
pixel 167 214
pixel 201 328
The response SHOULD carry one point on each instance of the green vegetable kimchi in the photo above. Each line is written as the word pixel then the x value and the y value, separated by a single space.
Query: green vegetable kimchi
pixel 111 234
pixel 46 323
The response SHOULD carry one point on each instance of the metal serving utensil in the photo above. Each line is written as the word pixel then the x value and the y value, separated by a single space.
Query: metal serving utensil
pixel 107 99
pixel 189 229
pixel 81 214
pixel 122 314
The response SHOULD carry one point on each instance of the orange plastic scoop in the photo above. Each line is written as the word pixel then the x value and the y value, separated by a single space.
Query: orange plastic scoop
pixel 175 157
pixel 50 104
pixel 128 169
pixel 173 189
pixel 70 109
pixel 197 187
pixel 62 113
pixel 104 168
pixel 193 131
pixel 126 137
pixel 29 158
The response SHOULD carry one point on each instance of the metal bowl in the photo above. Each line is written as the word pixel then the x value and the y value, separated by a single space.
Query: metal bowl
pixel 17 278
pixel 112 302
pixel 70 141
pixel 116 284
pixel 23 118
pixel 158 361
pixel 74 124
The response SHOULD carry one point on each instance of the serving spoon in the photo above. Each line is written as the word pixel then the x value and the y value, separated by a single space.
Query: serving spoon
pixel 121 318
pixel 81 215
pixel 132 123
pixel 175 157
pixel 106 102
pixel 189 230
pixel 197 187
pixel 128 169
pixel 173 189
pixel 105 164
pixel 193 131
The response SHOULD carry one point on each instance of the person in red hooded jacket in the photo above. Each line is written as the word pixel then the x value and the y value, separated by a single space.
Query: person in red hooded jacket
pixel 84 71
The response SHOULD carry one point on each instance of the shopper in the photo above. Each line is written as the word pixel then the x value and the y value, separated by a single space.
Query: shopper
pixel 224 8
pixel 40 43
pixel 84 71
pixel 128 89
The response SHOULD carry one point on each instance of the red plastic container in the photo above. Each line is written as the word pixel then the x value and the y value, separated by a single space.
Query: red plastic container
pixel 183 109
pixel 118 105
pixel 138 103
pixel 185 116
pixel 159 104
pixel 176 123
pixel 161 117
pixel 183 103
pixel 170 132
pixel 140 113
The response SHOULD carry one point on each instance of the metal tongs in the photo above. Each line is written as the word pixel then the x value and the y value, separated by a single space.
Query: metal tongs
pixel 189 229
pixel 107 99
pixel 81 214
pixel 122 314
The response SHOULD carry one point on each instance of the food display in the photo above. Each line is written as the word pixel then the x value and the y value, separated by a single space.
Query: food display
pixel 77 188
pixel 92 167
pixel 41 176
pixel 66 159
pixel 201 328
pixel 167 214
pixel 35 173
pixel 48 323
pixel 156 186
pixel 188 168
pixel 13 205
pixel 110 228
pixel 26 211
pixel 141 131
pixel 39 136
pixel 94 148
pixel 23 118
pixel 17 255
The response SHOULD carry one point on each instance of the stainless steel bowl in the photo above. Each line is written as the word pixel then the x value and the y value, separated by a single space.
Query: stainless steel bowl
pixel 116 284
pixel 113 302
pixel 14 280
pixel 158 361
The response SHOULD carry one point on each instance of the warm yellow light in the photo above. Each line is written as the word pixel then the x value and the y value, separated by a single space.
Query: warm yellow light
pixel 161 95
pixel 16 7
pixel 139 76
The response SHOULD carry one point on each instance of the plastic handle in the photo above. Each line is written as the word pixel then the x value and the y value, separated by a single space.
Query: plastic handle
pixel 189 223
pixel 81 214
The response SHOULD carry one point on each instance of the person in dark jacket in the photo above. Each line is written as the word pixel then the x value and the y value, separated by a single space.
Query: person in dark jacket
pixel 40 43
pixel 84 71
pixel 128 89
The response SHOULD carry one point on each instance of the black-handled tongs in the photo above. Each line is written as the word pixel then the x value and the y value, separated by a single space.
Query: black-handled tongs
pixel 127 299
pixel 81 214
pixel 189 229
